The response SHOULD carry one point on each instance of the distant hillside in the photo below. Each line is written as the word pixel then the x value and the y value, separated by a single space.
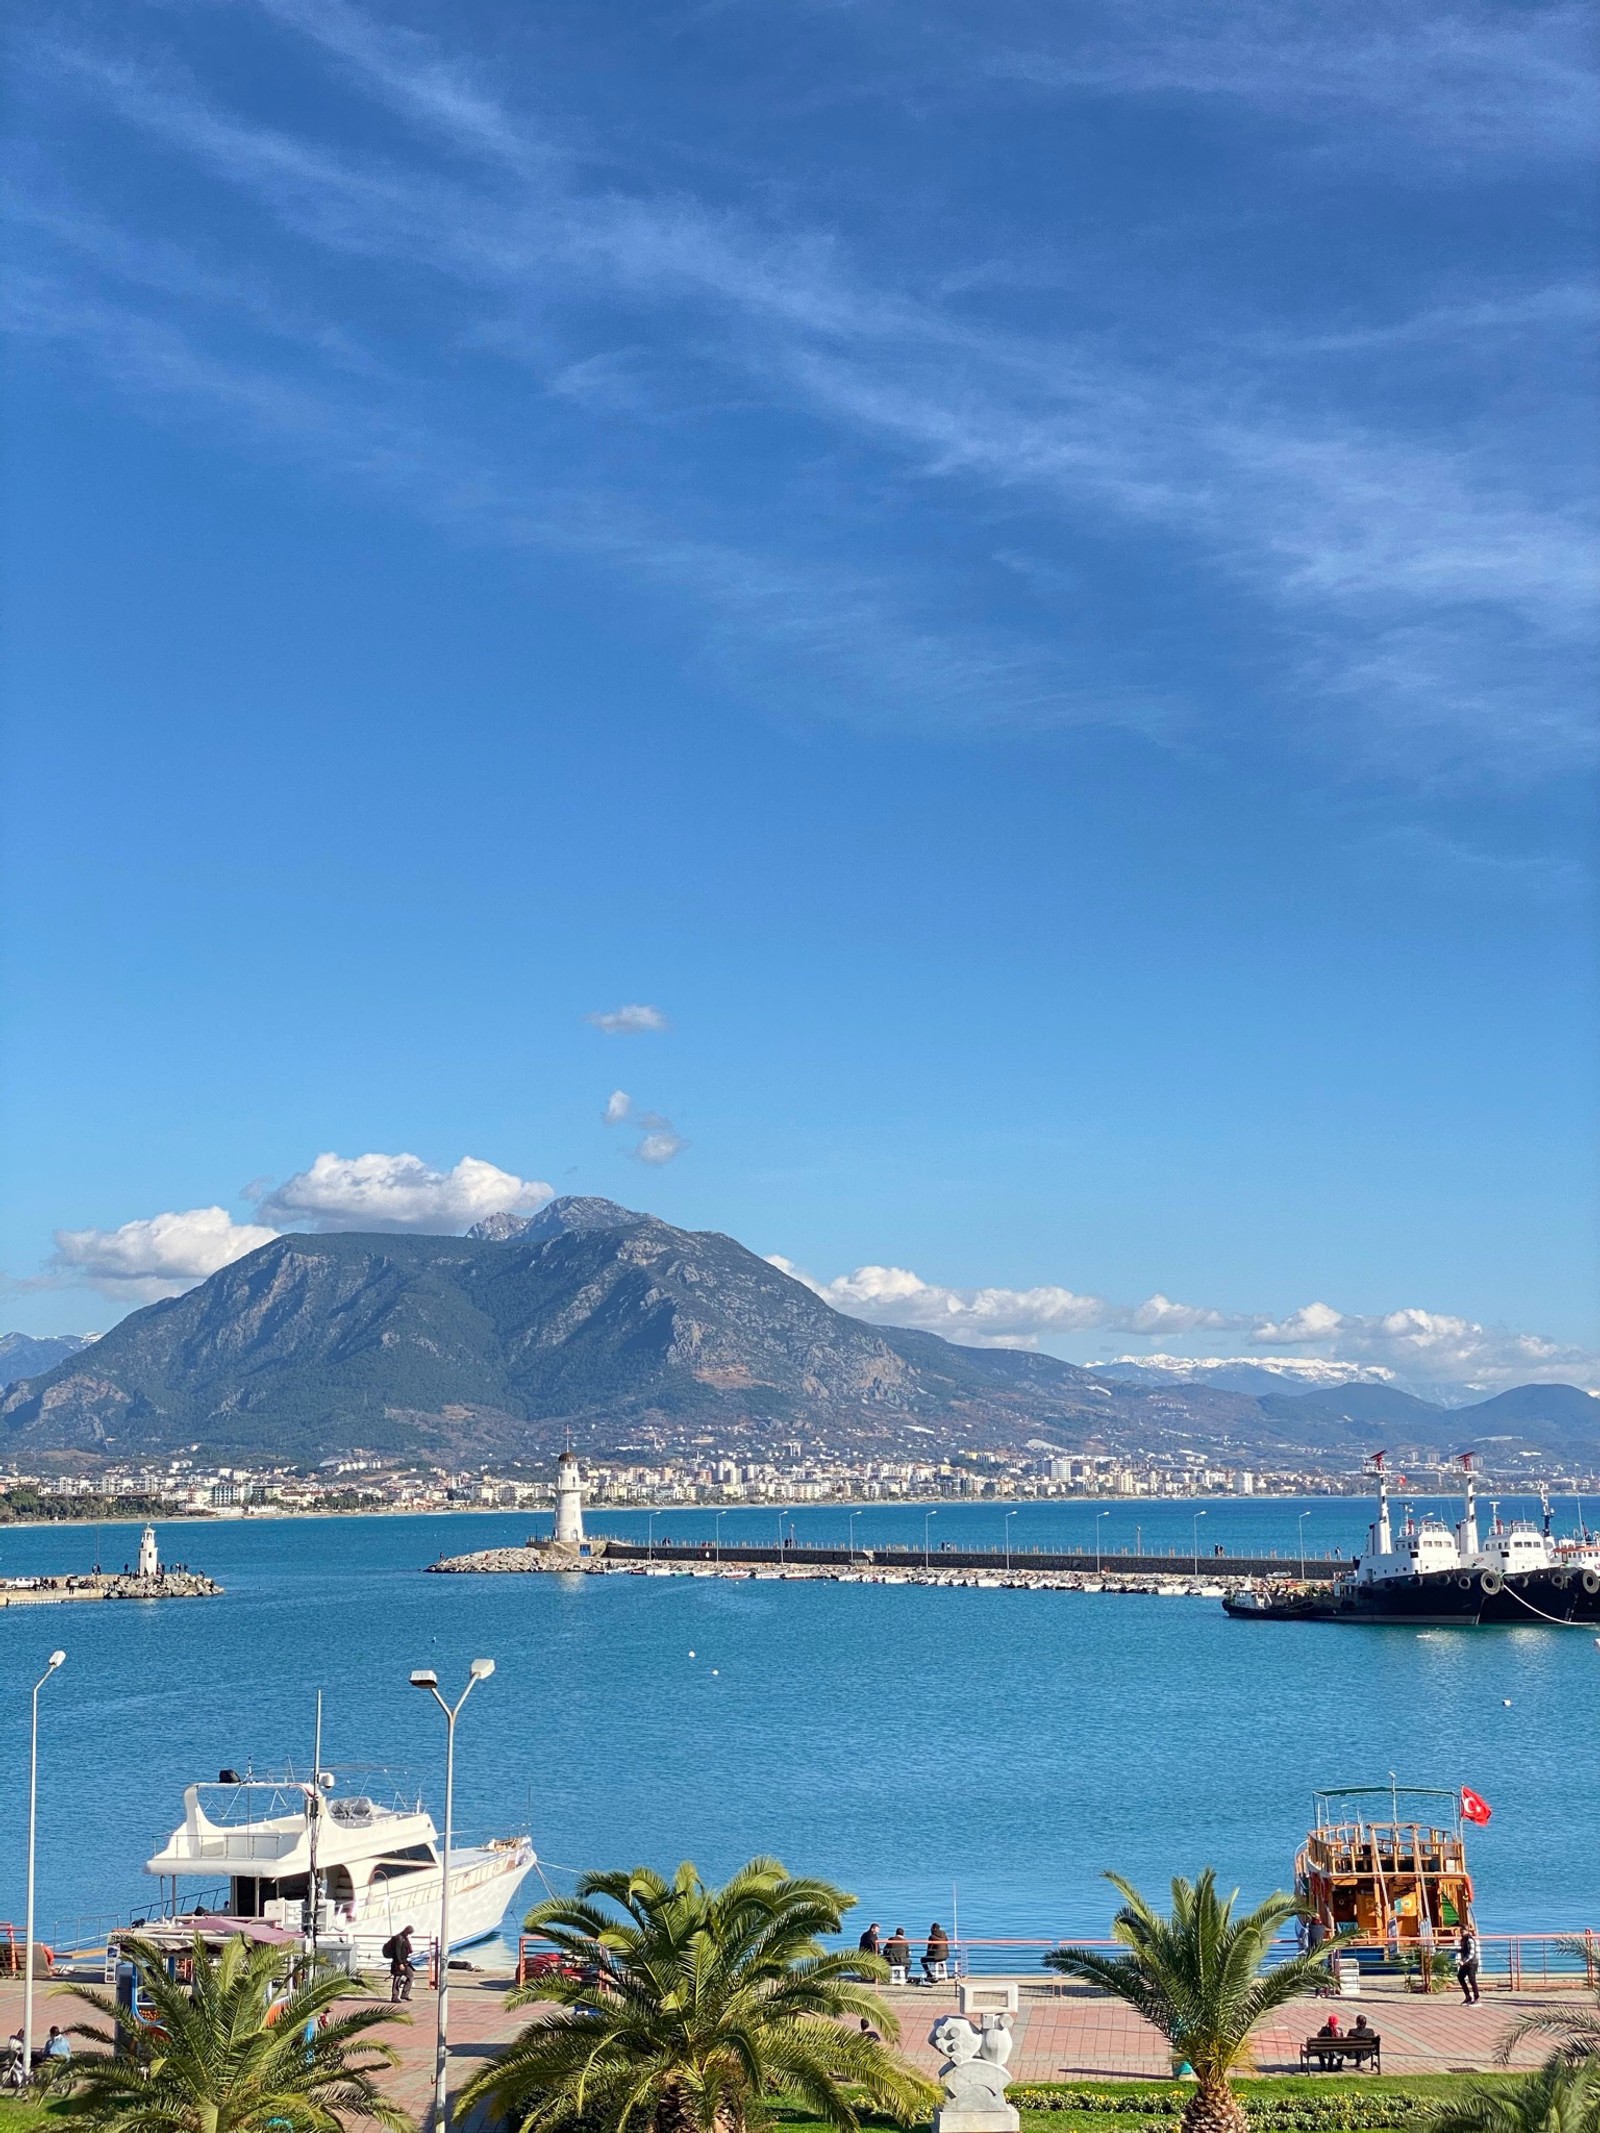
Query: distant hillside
pixel 640 1337
pixel 614 1324
pixel 27 1355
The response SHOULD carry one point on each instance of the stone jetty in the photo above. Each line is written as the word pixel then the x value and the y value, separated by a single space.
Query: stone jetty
pixel 545 1558
pixel 166 1585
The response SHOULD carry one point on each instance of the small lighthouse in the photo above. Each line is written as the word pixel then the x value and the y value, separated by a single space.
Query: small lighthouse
pixel 149 1560
pixel 569 1501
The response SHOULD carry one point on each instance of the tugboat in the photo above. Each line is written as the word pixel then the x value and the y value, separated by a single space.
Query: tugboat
pixel 1431 1573
pixel 1401 1883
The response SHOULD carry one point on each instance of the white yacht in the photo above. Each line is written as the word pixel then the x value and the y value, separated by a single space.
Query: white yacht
pixel 377 1868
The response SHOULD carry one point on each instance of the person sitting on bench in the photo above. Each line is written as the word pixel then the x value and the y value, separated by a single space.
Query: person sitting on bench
pixel 1331 2028
pixel 936 1957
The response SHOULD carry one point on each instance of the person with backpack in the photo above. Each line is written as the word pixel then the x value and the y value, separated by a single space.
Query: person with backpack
pixel 401 1967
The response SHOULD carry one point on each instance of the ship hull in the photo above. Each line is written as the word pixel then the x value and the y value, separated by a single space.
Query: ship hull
pixel 1444 1600
pixel 482 1885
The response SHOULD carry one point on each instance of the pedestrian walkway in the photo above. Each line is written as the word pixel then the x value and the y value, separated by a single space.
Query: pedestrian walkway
pixel 1063 2032
pixel 1070 2032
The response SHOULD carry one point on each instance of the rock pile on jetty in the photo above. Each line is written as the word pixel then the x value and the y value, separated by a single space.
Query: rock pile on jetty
pixel 166 1585
pixel 502 1559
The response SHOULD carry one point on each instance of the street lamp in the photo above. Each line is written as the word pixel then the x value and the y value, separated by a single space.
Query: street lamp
pixel 1097 1518
pixel 925 1517
pixel 426 1678
pixel 1304 1515
pixel 1196 1525
pixel 56 1659
pixel 650 1536
pixel 854 1515
pixel 717 1530
pixel 1006 1528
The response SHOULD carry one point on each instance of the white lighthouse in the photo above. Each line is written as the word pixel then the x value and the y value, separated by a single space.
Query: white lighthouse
pixel 149 1560
pixel 569 1501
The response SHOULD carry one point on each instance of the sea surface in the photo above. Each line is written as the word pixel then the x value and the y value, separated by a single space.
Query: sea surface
pixel 987 1753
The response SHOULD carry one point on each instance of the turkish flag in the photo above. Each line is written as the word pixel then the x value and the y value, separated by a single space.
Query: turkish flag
pixel 1474 1807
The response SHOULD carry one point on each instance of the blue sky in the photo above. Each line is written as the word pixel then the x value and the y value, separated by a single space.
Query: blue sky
pixel 1021 576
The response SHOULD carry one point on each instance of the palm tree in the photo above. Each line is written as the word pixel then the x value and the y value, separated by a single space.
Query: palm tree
pixel 1562 2097
pixel 228 2052
pixel 1198 1977
pixel 1576 2029
pixel 687 2009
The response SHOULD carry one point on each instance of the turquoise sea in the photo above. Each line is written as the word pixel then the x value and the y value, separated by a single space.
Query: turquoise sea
pixel 907 1742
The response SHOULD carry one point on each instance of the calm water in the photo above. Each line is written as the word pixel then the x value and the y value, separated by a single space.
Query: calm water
pixel 897 1740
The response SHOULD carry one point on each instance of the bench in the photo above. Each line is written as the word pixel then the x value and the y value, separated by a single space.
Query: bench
pixel 1331 2052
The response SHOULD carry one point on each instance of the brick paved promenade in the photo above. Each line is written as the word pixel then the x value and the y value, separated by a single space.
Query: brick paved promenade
pixel 1063 2032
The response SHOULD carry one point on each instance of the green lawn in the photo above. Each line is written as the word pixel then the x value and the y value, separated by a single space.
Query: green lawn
pixel 1277 2103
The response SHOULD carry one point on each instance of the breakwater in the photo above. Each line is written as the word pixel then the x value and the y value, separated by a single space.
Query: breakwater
pixel 46 1591
pixel 940 1565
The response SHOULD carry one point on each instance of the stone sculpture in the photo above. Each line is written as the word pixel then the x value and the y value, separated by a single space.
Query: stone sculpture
pixel 974 2075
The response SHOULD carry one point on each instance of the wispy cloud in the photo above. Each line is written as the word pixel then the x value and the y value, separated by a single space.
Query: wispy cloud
pixel 1422 585
pixel 1464 78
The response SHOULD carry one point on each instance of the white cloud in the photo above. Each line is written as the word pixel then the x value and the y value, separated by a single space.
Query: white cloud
pixel 631 1021
pixel 399 1192
pixel 1423 1348
pixel 161 1255
pixel 1434 1347
pixel 661 1139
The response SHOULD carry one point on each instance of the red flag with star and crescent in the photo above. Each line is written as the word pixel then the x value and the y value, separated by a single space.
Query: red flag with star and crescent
pixel 1474 1807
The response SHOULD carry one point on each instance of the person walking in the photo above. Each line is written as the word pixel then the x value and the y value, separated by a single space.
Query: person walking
pixel 401 1968
pixel 1467 1964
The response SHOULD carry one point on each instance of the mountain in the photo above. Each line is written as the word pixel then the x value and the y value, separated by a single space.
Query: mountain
pixel 1559 1420
pixel 27 1355
pixel 587 1316
pixel 660 1342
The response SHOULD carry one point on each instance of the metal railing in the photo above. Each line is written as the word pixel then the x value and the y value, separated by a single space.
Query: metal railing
pixel 1510 1962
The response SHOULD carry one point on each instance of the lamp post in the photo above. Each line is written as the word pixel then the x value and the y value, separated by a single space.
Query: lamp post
pixel 717 1530
pixel 1195 1522
pixel 925 1517
pixel 1304 1515
pixel 650 1536
pixel 56 1659
pixel 1097 1518
pixel 1006 1526
pixel 426 1678
pixel 854 1515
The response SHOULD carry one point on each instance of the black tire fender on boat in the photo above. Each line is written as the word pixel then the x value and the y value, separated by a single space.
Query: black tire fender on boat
pixel 1490 1582
pixel 1561 1580
pixel 1591 1582
pixel 1465 1584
